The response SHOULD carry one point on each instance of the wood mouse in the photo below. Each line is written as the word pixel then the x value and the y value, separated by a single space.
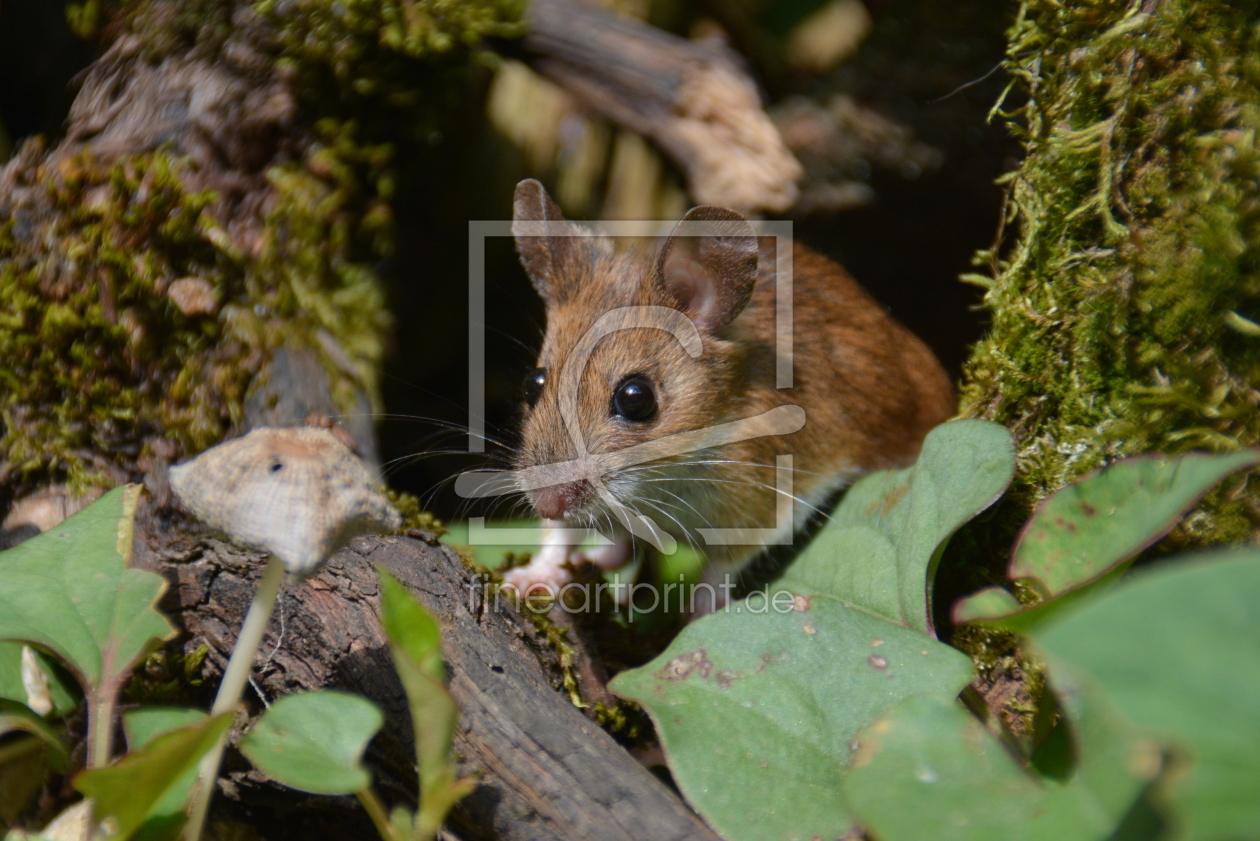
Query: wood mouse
pixel 655 391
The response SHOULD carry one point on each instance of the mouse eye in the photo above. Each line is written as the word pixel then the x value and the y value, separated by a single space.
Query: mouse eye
pixel 534 382
pixel 634 399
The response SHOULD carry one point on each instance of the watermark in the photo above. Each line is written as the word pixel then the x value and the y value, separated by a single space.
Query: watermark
pixel 781 420
pixel 629 598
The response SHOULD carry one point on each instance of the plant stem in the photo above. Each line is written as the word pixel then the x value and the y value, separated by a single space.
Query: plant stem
pixel 233 684
pixel 376 809
pixel 101 726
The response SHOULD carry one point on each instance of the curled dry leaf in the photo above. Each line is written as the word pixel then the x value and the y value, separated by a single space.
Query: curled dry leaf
pixel 297 493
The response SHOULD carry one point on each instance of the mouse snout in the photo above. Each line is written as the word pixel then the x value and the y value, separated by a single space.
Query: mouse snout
pixel 558 501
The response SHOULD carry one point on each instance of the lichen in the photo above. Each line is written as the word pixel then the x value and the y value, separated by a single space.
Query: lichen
pixel 1124 314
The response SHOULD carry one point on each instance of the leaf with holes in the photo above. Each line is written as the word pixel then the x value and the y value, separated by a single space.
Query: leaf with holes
pixel 1086 533
pixel 767 695
pixel 881 546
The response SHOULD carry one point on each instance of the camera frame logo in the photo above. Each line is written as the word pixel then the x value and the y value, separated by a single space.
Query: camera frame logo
pixel 781 420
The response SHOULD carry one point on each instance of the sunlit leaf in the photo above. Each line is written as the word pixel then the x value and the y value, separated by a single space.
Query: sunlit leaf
pixel 144 792
pixel 314 741
pixel 1083 536
pixel 930 770
pixel 415 646
pixel 1178 649
pixel 1106 518
pixel 70 591
pixel 756 707
pixel 881 546
pixel 144 724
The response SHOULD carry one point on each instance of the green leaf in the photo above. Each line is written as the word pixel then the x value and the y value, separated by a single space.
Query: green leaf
pixel 410 628
pixel 144 792
pixel 987 607
pixel 1178 649
pixel 11 686
pixel 415 646
pixel 986 604
pixel 145 724
pixel 25 762
pixel 1086 529
pixel 23 769
pixel 758 700
pixel 69 590
pixel 62 689
pixel 883 541
pixel 314 741
pixel 929 769
pixel 16 717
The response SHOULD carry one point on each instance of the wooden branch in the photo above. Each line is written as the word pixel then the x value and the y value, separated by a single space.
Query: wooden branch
pixel 691 98
pixel 547 771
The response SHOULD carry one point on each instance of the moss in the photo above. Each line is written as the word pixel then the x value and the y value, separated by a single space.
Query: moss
pixel 413 516
pixel 626 720
pixel 1123 314
pixel 166 675
pixel 101 364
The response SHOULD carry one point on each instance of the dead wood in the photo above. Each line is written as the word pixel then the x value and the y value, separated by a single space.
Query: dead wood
pixel 692 98
pixel 546 770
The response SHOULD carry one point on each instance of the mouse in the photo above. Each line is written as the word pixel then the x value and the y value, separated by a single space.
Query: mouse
pixel 657 412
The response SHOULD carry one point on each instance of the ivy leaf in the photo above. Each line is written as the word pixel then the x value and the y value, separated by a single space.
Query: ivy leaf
pixel 144 792
pixel 766 696
pixel 69 590
pixel 314 741
pixel 1178 649
pixel 881 546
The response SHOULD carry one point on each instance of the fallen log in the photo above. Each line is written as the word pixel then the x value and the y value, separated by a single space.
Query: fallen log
pixel 546 770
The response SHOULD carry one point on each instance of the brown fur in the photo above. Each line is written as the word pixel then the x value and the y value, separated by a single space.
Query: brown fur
pixel 870 389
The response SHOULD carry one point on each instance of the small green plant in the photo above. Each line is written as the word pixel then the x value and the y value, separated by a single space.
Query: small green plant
pixel 842 711
pixel 70 593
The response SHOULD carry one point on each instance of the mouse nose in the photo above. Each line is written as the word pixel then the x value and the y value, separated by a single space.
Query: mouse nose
pixel 555 502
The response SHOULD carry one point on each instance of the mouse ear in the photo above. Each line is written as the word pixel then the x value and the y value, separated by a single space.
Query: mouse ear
pixel 547 254
pixel 708 266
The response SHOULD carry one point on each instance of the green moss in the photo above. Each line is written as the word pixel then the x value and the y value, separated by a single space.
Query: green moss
pixel 100 363
pixel 166 675
pixel 625 720
pixel 1123 313
pixel 413 516
pixel 344 35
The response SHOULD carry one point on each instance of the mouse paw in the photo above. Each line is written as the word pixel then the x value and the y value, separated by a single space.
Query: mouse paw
pixel 542 576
